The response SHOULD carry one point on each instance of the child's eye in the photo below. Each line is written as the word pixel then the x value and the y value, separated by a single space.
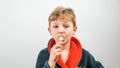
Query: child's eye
pixel 66 26
pixel 55 26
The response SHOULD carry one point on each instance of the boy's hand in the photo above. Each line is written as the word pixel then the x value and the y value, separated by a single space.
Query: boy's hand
pixel 54 53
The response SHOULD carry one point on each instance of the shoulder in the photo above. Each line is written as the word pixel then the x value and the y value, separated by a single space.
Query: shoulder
pixel 44 51
pixel 43 54
pixel 86 53
pixel 88 60
pixel 42 58
pixel 85 56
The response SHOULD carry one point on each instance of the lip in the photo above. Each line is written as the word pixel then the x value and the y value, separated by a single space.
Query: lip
pixel 60 36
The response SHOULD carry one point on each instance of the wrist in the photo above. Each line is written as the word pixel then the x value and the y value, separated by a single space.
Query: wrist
pixel 51 64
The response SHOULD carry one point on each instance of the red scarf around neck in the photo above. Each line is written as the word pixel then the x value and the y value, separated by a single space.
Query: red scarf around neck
pixel 74 55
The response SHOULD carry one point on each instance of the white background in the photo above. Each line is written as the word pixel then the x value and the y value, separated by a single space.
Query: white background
pixel 23 30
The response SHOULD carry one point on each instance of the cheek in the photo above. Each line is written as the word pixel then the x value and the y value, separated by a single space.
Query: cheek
pixel 69 32
pixel 54 32
pixel 68 35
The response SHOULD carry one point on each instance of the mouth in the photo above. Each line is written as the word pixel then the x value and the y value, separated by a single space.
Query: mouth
pixel 61 38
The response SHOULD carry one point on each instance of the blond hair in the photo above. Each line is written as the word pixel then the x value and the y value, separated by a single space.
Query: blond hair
pixel 63 13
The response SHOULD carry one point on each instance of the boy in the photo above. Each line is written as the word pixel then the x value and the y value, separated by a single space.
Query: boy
pixel 64 50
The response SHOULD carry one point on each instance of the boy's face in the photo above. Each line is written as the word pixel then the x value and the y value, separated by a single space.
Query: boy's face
pixel 62 28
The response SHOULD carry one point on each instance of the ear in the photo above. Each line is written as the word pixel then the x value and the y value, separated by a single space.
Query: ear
pixel 49 30
pixel 74 29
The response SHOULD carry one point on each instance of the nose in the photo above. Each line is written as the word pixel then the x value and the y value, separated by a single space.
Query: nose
pixel 61 30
